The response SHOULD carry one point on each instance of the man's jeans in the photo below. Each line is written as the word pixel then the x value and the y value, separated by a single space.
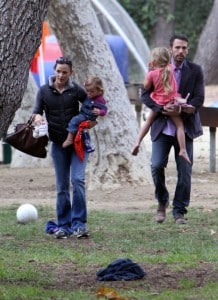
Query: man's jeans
pixel 69 167
pixel 160 154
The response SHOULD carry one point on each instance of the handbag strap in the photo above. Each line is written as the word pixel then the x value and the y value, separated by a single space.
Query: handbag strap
pixel 31 120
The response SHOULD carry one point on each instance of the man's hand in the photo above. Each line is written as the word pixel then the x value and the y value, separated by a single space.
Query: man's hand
pixel 188 108
pixel 171 109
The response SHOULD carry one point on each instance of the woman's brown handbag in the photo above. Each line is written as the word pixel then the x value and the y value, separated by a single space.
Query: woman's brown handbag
pixel 22 139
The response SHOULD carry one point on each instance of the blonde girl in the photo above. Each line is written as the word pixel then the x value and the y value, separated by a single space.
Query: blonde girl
pixel 161 78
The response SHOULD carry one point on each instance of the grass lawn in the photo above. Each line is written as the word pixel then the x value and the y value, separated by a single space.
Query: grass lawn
pixel 181 262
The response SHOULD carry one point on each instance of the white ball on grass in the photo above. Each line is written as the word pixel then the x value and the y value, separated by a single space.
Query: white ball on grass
pixel 26 213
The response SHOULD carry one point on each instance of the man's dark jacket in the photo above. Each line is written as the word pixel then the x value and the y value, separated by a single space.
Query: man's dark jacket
pixel 192 81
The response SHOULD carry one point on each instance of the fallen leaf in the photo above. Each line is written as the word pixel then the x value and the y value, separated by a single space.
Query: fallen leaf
pixel 109 293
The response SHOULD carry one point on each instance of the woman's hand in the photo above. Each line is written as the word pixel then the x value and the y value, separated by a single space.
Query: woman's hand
pixel 38 119
pixel 92 124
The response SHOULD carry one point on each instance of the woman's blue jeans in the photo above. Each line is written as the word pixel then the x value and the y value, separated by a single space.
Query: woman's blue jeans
pixel 69 169
pixel 160 153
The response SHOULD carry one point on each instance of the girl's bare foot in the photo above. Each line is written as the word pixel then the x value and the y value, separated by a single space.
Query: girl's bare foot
pixel 184 154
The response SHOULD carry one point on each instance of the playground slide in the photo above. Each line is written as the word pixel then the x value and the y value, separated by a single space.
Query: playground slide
pixel 124 26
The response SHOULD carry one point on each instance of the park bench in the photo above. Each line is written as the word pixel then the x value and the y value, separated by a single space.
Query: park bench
pixel 209 118
pixel 208 115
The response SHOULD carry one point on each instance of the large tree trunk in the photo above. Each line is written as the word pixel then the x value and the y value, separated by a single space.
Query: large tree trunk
pixel 80 37
pixel 20 32
pixel 206 54
pixel 164 27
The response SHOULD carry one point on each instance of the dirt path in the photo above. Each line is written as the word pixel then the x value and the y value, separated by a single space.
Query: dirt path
pixel 37 186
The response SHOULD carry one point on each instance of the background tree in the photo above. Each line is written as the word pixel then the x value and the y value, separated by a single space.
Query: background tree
pixel 81 38
pixel 74 23
pixel 207 50
pixel 164 26
pixel 189 17
pixel 20 32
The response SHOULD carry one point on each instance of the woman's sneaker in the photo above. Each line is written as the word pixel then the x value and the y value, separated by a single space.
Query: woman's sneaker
pixel 81 232
pixel 60 234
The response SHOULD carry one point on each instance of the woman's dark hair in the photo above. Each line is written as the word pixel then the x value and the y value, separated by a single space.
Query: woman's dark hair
pixel 63 61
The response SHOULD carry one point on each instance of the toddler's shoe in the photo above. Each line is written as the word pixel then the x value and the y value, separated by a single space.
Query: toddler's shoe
pixel 87 142
pixel 36 132
pixel 43 129
pixel 40 130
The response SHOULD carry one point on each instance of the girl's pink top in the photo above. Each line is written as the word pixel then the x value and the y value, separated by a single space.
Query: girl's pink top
pixel 159 95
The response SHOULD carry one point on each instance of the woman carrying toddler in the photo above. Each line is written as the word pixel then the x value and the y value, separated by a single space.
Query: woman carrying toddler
pixel 92 107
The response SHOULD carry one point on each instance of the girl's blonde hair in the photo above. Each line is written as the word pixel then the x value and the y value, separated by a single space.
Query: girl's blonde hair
pixel 161 57
pixel 95 82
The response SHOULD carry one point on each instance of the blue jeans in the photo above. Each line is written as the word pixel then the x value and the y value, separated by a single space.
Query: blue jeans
pixel 160 153
pixel 68 167
pixel 73 125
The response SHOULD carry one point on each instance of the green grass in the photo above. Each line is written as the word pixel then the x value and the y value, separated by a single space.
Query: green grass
pixel 181 261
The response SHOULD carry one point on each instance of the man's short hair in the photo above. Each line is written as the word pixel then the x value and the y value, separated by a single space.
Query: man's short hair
pixel 178 36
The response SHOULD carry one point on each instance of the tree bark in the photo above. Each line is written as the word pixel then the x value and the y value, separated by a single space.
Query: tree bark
pixel 81 38
pixel 20 31
pixel 164 27
pixel 206 54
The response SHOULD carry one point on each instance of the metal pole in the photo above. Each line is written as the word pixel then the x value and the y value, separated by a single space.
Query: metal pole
pixel 213 149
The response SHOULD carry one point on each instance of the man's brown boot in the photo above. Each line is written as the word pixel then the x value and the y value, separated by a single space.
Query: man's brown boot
pixel 69 140
pixel 161 212
pixel 179 219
